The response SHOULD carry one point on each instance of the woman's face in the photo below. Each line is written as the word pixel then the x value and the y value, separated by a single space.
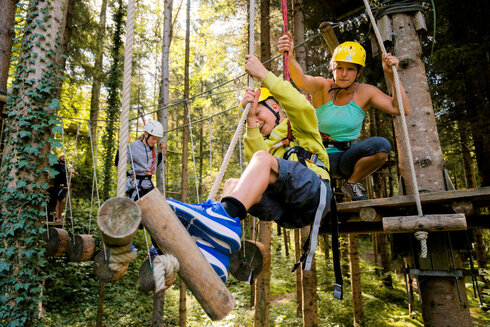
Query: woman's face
pixel 152 140
pixel 345 73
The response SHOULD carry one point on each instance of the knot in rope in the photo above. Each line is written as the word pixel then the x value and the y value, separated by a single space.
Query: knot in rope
pixel 120 258
pixel 164 269
pixel 422 237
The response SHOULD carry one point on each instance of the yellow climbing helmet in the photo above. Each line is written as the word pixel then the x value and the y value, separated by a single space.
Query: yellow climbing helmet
pixel 264 95
pixel 351 52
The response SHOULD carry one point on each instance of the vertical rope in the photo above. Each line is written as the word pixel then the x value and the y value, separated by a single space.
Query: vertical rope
pixel 210 153
pixel 193 156
pixel 124 129
pixel 402 111
pixel 241 122
pixel 284 7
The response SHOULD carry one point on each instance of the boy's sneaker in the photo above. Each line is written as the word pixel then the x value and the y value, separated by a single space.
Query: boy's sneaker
pixel 211 222
pixel 354 190
pixel 219 261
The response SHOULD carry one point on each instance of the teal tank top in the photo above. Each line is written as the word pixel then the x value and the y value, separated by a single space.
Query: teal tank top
pixel 342 123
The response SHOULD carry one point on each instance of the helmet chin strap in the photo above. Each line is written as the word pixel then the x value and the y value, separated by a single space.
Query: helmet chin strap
pixel 278 117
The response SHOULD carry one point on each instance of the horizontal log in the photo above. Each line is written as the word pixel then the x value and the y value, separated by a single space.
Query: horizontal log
pixel 369 214
pixel 171 236
pixel 56 241
pixel 81 248
pixel 252 255
pixel 118 220
pixel 430 223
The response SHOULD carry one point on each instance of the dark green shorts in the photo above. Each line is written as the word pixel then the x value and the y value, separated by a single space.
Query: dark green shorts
pixel 293 199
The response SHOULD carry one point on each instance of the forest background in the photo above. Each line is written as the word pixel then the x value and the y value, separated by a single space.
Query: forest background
pixel 86 122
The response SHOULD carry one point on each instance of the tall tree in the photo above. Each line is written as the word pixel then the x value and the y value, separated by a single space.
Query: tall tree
pixel 114 85
pixel 25 162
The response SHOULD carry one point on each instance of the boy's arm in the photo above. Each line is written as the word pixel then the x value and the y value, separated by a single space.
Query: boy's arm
pixel 254 141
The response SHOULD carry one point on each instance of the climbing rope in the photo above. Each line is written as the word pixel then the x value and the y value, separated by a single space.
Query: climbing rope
pixel 241 123
pixel 164 269
pixel 193 155
pixel 413 176
pixel 126 92
pixel 95 185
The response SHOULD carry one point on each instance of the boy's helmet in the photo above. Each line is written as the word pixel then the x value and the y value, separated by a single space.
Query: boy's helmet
pixel 351 52
pixel 264 95
pixel 154 128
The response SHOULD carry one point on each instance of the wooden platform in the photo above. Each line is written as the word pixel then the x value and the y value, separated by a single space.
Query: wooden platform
pixel 461 201
pixel 480 197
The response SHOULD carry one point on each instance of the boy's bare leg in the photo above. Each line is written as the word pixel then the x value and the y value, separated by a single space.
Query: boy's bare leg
pixel 262 171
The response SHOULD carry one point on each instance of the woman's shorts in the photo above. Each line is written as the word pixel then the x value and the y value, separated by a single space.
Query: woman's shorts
pixel 342 163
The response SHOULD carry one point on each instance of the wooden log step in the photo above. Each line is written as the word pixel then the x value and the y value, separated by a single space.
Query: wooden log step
pixel 118 220
pixel 171 236
pixel 56 241
pixel 81 248
pixel 429 223
pixel 252 255
pixel 102 270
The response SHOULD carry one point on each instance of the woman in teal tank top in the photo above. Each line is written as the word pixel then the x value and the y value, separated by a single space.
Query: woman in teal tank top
pixel 341 104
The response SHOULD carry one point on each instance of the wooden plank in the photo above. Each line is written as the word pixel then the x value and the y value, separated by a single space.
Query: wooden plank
pixel 171 236
pixel 479 195
pixel 329 36
pixel 430 223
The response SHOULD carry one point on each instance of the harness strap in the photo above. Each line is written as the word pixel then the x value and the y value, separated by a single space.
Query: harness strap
pixel 305 155
pixel 316 226
pixel 334 222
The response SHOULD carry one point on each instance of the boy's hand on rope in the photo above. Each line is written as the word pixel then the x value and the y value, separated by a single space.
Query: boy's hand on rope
pixel 251 96
pixel 286 43
pixel 255 68
pixel 388 61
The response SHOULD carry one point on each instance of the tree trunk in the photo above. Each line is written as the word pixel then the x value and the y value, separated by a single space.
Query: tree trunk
pixel 163 99
pixel 7 33
pixel 32 119
pixel 265 33
pixel 185 149
pixel 384 251
pixel 262 284
pixel 355 279
pixel 299 278
pixel 98 70
pixel 440 303
pixel 310 297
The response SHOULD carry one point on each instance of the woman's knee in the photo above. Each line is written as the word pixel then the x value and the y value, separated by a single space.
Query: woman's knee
pixel 380 144
pixel 229 186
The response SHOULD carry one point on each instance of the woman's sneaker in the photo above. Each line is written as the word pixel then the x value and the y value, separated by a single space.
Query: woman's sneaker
pixel 354 191
pixel 211 222
pixel 219 261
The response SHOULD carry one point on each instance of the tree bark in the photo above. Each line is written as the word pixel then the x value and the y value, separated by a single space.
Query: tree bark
pixel 440 305
pixel 98 70
pixel 262 284
pixel 299 278
pixel 163 99
pixel 265 33
pixel 355 278
pixel 7 33
pixel 310 296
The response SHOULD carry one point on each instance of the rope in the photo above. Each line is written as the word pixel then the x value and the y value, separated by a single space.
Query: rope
pixel 284 7
pixel 94 180
pixel 210 153
pixel 68 192
pixel 165 267
pixel 126 92
pixel 193 155
pixel 241 123
pixel 420 235
pixel 120 257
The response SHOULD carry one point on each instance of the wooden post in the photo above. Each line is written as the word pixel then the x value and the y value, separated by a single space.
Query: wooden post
pixel 172 237
pixel 262 284
pixel 441 304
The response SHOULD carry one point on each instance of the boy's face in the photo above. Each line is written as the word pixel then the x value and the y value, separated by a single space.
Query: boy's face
pixel 265 118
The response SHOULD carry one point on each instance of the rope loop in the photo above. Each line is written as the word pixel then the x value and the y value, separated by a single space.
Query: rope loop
pixel 422 237
pixel 164 269
pixel 120 257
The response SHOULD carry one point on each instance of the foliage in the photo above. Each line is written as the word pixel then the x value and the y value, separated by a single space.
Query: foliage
pixel 31 122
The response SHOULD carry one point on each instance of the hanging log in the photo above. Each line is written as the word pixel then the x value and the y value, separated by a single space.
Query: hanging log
pixel 252 256
pixel 329 36
pixel 145 277
pixel 81 248
pixel 170 235
pixel 102 270
pixel 430 223
pixel 118 220
pixel 56 241
pixel 369 214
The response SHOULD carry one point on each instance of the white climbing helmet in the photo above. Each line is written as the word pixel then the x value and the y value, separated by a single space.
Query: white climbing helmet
pixel 154 128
